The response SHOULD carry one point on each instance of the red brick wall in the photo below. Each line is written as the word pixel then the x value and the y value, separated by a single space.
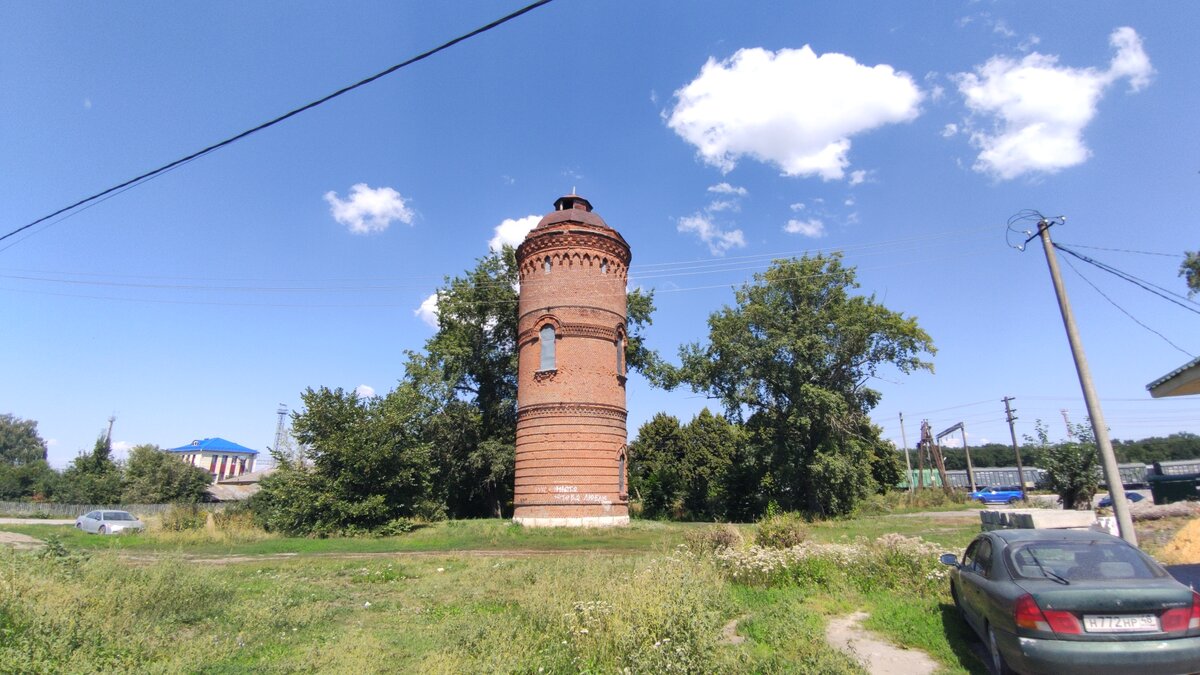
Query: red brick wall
pixel 571 420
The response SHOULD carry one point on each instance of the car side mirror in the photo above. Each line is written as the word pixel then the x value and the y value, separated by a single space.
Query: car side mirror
pixel 948 559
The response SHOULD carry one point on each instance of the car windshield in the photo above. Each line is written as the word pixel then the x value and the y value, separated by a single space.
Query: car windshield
pixel 118 515
pixel 1080 561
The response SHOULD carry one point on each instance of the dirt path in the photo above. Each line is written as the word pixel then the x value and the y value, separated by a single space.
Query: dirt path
pixel 876 655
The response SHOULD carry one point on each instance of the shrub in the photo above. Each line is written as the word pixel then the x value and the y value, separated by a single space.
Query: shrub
pixel 892 562
pixel 238 517
pixel 713 539
pixel 396 527
pixel 781 531
pixel 184 517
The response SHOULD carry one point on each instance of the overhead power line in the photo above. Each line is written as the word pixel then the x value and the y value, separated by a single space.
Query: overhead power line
pixel 149 175
pixel 1125 311
pixel 1161 292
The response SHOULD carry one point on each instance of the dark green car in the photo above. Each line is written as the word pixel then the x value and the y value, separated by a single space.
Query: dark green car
pixel 1065 602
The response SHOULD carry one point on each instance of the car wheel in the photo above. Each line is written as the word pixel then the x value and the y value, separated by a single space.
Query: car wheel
pixel 1013 500
pixel 102 530
pixel 999 667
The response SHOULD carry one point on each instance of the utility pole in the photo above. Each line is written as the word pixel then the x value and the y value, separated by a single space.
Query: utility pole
pixel 1067 424
pixel 927 439
pixel 966 450
pixel 108 437
pixel 907 461
pixel 1112 474
pixel 1008 413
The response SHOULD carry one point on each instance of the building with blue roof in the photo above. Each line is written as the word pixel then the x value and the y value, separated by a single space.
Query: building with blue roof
pixel 223 459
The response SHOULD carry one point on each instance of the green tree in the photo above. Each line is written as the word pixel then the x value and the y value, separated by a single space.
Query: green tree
pixel 793 358
pixel 656 467
pixel 31 480
pixel 153 476
pixel 1189 269
pixel 19 441
pixel 468 374
pixel 1072 468
pixel 363 463
pixel 710 445
pixel 92 478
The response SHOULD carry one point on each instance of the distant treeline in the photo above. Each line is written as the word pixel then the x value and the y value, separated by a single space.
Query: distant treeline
pixel 1183 445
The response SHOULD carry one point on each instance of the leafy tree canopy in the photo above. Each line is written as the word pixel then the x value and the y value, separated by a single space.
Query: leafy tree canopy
pixel 34 480
pixel 92 478
pixel 1189 269
pixel 363 464
pixel 793 358
pixel 19 441
pixel 1072 467
pixel 153 476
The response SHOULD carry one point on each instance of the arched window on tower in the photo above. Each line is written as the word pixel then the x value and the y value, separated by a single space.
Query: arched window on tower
pixel 546 337
pixel 621 472
pixel 546 265
pixel 604 266
pixel 621 355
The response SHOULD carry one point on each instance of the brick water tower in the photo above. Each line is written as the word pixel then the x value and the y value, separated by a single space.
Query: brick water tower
pixel 571 376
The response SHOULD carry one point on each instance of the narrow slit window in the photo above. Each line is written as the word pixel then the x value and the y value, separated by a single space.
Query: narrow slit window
pixel 620 355
pixel 546 265
pixel 546 337
pixel 621 473
pixel 604 266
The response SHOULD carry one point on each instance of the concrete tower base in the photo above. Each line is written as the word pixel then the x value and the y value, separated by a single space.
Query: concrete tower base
pixel 583 521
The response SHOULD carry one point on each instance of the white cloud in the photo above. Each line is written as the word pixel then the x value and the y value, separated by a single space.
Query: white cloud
pixel 369 210
pixel 949 130
pixel 722 205
pixel 719 240
pixel 364 391
pixel 727 189
pixel 87 104
pixel 790 108
pixel 51 442
pixel 1000 27
pixel 428 311
pixel 120 449
pixel 512 232
pixel 1039 109
pixel 858 177
pixel 849 201
pixel 809 228
pixel 798 206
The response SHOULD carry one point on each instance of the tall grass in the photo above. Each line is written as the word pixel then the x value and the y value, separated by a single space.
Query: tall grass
pixel 633 606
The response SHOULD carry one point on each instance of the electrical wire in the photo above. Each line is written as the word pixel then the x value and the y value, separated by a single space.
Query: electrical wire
pixel 1161 292
pixel 1123 310
pixel 1126 250
pixel 150 175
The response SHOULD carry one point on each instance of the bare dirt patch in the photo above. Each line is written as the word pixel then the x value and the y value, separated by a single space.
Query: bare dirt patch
pixel 1184 547
pixel 19 540
pixel 877 656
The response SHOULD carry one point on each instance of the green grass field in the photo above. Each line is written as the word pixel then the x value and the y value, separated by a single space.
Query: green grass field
pixel 475 596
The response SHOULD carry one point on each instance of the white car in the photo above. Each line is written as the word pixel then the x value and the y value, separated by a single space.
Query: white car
pixel 109 522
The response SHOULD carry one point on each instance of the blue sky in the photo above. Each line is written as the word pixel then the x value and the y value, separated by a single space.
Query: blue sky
pixel 715 136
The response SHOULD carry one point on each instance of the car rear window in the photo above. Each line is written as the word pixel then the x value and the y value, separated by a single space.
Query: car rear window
pixel 117 515
pixel 1080 561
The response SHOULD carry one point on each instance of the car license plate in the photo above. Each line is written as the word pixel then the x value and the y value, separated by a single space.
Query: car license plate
pixel 1120 623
